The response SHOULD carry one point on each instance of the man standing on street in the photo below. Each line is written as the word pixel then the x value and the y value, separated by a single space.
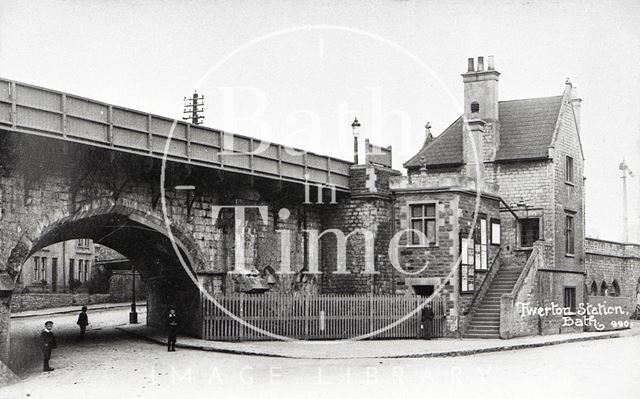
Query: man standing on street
pixel 172 323
pixel 426 322
pixel 83 321
pixel 47 342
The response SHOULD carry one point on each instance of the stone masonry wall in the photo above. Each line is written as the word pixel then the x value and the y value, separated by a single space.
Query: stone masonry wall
pixel 608 261
pixel 369 208
pixel 568 196
pixel 23 302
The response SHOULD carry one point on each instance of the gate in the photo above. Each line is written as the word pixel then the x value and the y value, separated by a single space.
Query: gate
pixel 311 317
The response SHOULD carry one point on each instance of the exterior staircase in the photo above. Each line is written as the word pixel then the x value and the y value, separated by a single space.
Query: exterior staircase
pixel 485 322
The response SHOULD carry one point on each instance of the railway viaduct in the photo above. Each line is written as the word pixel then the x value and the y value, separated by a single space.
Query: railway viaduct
pixel 71 167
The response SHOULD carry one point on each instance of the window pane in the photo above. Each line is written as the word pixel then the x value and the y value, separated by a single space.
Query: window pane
pixel 431 210
pixel 569 169
pixel 416 210
pixel 431 230
pixel 416 225
pixel 483 231
pixel 495 233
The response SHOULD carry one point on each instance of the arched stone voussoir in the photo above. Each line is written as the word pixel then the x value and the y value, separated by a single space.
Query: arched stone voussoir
pixel 153 220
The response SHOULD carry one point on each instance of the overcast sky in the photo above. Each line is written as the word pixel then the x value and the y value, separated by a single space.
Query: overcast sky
pixel 297 72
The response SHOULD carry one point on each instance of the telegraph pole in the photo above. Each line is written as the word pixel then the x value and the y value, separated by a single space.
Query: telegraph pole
pixel 193 105
pixel 625 170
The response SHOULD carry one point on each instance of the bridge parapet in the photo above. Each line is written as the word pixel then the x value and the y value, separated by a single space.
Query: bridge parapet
pixel 35 110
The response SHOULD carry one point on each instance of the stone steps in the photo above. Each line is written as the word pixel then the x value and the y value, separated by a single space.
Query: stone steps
pixel 486 319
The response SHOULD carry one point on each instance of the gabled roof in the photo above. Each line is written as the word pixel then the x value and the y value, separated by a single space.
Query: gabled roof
pixel 526 132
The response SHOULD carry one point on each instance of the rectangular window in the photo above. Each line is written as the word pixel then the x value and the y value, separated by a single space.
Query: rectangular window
pixel 570 298
pixel 569 235
pixel 495 232
pixel 482 240
pixel 36 268
pixel 529 231
pixel 43 264
pixel 86 270
pixel 80 266
pixel 423 218
pixel 568 174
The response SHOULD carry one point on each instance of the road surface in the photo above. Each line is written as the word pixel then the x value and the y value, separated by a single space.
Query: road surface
pixel 111 365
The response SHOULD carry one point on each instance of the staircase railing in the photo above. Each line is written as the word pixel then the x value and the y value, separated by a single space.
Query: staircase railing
pixel 482 290
pixel 508 301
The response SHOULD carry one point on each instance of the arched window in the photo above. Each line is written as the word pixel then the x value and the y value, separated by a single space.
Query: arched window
pixel 615 289
pixel 604 290
pixel 594 289
pixel 475 107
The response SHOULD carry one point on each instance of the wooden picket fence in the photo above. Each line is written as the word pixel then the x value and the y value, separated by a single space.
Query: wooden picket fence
pixel 310 317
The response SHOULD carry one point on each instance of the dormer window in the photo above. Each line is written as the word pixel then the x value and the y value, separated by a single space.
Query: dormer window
pixel 475 107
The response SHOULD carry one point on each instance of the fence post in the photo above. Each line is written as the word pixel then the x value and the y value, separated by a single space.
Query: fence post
pixel 241 325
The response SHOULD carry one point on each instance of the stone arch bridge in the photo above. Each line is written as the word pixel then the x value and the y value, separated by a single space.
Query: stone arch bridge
pixel 72 167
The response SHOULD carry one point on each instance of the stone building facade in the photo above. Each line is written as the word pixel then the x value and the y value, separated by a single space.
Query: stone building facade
pixel 62 267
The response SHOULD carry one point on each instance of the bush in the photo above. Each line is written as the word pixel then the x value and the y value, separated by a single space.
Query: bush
pixel 74 284
pixel 99 282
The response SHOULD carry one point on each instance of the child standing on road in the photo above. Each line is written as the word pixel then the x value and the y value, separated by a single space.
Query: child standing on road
pixel 83 321
pixel 47 343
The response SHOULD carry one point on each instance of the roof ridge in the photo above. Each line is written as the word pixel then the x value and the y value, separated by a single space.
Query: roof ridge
pixel 528 99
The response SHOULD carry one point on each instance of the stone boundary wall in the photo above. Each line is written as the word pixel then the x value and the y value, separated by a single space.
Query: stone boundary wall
pixel 609 261
pixel 610 318
pixel 23 302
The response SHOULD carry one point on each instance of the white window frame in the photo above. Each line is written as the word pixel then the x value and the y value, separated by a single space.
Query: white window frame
pixel 410 218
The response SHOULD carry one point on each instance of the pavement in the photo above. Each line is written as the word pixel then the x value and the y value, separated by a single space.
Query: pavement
pixel 369 349
pixel 72 309
pixel 344 349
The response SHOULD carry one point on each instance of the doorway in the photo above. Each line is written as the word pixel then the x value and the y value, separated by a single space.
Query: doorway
pixel 423 290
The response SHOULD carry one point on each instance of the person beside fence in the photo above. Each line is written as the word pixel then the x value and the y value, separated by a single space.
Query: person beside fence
pixel 83 321
pixel 172 324
pixel 47 343
pixel 426 322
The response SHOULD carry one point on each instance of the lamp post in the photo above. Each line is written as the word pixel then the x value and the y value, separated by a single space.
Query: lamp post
pixel 133 315
pixel 356 131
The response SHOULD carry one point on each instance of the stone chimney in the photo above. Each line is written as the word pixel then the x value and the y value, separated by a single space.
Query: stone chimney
pixel 481 91
pixel 480 113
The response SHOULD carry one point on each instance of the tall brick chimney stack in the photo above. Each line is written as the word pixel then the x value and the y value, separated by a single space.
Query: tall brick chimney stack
pixel 481 88
pixel 481 135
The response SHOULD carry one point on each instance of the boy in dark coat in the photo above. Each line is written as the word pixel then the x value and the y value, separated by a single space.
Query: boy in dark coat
pixel 83 321
pixel 172 324
pixel 47 343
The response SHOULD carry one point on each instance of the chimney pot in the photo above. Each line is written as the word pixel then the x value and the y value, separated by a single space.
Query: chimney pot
pixel 490 66
pixel 470 68
pixel 480 64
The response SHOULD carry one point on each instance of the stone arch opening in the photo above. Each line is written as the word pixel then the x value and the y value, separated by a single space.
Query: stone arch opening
pixel 141 238
pixel 615 288
pixel 594 289
pixel 604 289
